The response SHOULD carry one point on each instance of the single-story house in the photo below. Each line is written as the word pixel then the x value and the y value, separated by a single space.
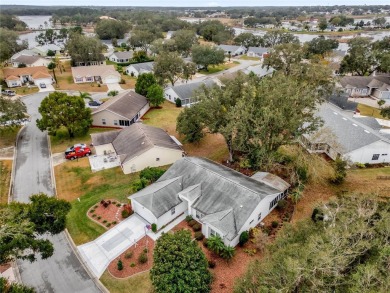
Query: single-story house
pixel 259 70
pixel 258 52
pixel 223 200
pixel 42 50
pixel 99 73
pixel 362 86
pixel 121 110
pixel 348 136
pixel 232 50
pixel 23 52
pixel 138 146
pixel 30 61
pixel 169 35
pixel 185 92
pixel 18 76
pixel 121 57
pixel 139 68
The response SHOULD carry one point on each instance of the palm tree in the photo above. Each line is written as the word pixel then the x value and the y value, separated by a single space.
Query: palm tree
pixel 215 244
pixel 52 66
pixel 228 252
pixel 85 96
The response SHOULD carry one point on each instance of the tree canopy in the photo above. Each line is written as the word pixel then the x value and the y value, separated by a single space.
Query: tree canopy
pixel 21 224
pixel 155 95
pixel 214 31
pixel 184 40
pixel 11 111
pixel 144 81
pixel 108 29
pixel 60 110
pixel 179 265
pixel 84 49
pixel 206 55
pixel 321 46
pixel 277 37
pixel 345 248
pixel 9 44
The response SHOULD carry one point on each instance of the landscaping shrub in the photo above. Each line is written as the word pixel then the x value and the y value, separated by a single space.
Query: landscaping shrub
pixel 139 184
pixel 192 223
pixel 199 236
pixel 212 264
pixel 125 214
pixel 114 223
pixel 114 202
pixel 122 81
pixel 188 218
pixel 119 265
pixel 340 171
pixel 128 254
pixel 205 243
pixel 143 258
pixel 105 221
pixel 108 225
pixel 281 204
pixel 118 205
pixel 96 207
pixel 132 265
pixel 151 174
pixel 91 211
pixel 360 165
pixel 317 215
pixel 274 224
pixel 244 237
pixel 94 215
pixel 178 103
pixel 99 217
pixel 145 250
pixel 154 227
pixel 196 227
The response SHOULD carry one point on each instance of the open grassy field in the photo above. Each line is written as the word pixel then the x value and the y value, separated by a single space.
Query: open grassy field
pixel 245 57
pixel 217 68
pixel 129 82
pixel 65 81
pixel 5 177
pixel 366 110
pixel 212 146
pixel 61 141
pixel 137 284
pixel 8 136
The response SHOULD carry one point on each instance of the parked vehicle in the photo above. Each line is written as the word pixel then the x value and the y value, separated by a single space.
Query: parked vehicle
pixel 94 104
pixel 42 85
pixel 74 147
pixel 78 152
pixel 8 93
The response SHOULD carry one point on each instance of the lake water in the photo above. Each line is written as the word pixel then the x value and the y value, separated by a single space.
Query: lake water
pixel 35 21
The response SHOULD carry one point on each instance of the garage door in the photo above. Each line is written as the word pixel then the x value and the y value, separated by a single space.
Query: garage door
pixel 111 80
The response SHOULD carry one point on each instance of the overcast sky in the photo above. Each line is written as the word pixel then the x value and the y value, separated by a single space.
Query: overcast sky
pixel 188 3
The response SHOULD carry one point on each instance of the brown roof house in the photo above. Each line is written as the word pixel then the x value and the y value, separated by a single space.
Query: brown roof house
pixel 30 61
pixel 96 73
pixel 138 146
pixel 361 86
pixel 121 110
pixel 18 76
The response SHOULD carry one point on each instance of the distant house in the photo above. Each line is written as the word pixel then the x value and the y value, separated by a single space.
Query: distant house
pixel 24 52
pixel 121 110
pixel 355 139
pixel 169 35
pixel 97 73
pixel 42 50
pixel 30 61
pixel 185 92
pixel 121 57
pixel 138 146
pixel 362 86
pixel 259 70
pixel 224 201
pixel 18 76
pixel 257 52
pixel 139 68
pixel 232 50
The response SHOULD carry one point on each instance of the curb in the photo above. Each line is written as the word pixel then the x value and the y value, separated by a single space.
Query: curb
pixel 76 252
pixel 53 178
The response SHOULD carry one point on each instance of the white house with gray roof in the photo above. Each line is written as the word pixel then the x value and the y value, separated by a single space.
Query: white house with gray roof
pixel 223 200
pixel 185 92
pixel 121 57
pixel 139 68
pixel 351 137
pixel 138 146
pixel 232 49
pixel 258 52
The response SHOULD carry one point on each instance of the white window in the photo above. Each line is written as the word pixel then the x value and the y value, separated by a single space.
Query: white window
pixel 115 122
pixel 104 121
pixel 79 79
pixel 173 211
pixel 198 214
pixel 89 78
pixel 259 217
pixel 213 233
pixel 375 157
pixel 157 159
pixel 251 222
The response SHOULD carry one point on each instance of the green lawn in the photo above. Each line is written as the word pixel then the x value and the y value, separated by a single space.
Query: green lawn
pixel 137 284
pixel 165 117
pixel 369 111
pixel 245 57
pixel 8 136
pixel 5 176
pixel 217 68
pixel 61 141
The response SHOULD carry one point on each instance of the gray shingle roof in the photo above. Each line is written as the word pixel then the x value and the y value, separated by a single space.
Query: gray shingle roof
pixel 351 134
pixel 123 55
pixel 258 50
pixel 126 104
pixel 26 59
pixel 356 81
pixel 230 48
pixel 146 66
pixel 104 137
pixel 271 180
pixel 185 91
pixel 227 198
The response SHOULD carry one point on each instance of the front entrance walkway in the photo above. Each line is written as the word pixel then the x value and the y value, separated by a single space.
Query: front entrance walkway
pixel 99 253
pixel 103 162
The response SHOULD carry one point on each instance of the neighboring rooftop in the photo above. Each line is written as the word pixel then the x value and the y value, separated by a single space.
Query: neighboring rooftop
pixel 27 59
pixel 94 70
pixel 258 50
pixel 230 48
pixel 259 70
pixel 123 55
pixel 36 70
pixel 381 82
pixel 126 104
pixel 185 91
pixel 147 66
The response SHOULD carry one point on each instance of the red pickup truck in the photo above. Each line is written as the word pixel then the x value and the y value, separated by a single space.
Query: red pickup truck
pixel 78 152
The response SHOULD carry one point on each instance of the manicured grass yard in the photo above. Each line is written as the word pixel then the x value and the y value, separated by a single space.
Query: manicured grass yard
pixel 8 136
pixel 137 284
pixel 245 57
pixel 5 177
pixel 366 110
pixel 218 68
pixel 61 141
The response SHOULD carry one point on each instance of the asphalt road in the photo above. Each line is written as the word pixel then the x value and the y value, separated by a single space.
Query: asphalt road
pixel 62 272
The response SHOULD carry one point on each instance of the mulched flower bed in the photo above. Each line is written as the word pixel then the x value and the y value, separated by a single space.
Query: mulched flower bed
pixel 128 269
pixel 108 216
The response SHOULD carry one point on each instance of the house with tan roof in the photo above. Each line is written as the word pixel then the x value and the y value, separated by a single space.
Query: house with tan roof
pixel 96 73
pixel 362 86
pixel 18 76
pixel 138 146
pixel 30 61
pixel 121 111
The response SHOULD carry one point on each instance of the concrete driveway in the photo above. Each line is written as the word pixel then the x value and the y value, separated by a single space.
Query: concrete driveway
pixel 48 88
pixel 114 87
pixel 63 272
pixel 98 254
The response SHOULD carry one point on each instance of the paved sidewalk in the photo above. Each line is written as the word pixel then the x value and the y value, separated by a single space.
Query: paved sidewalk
pixel 98 254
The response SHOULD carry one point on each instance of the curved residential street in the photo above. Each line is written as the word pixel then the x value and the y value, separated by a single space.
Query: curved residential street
pixel 62 272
